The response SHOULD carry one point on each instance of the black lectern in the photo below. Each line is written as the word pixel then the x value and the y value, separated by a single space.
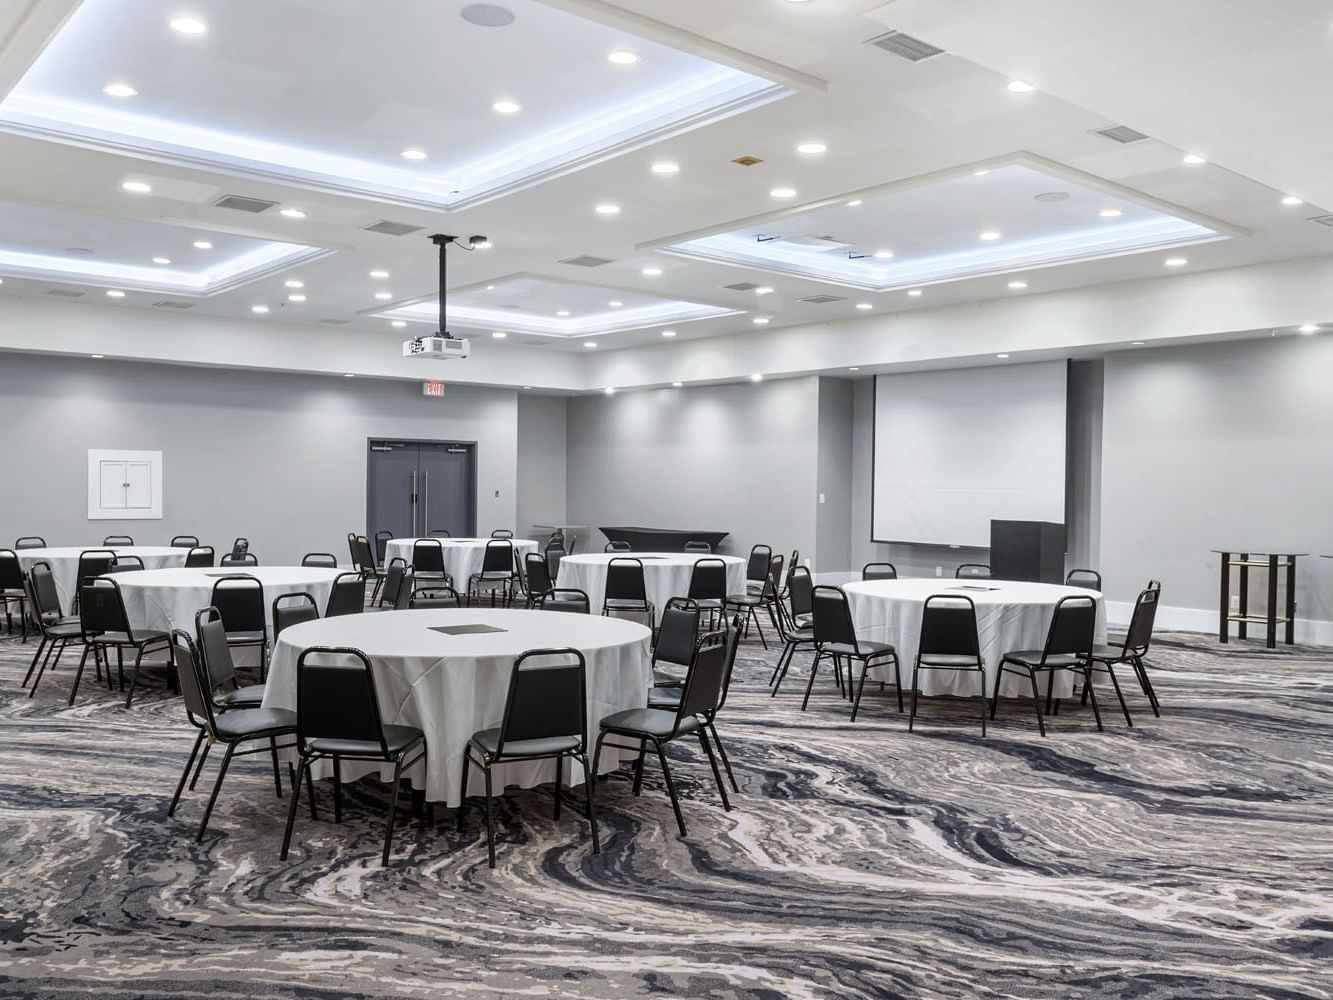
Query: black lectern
pixel 1033 551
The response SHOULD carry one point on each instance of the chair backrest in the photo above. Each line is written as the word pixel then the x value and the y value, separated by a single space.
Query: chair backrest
pixel 949 627
pixel 1139 636
pixel 45 596
pixel 539 575
pixel 428 555
pixel 240 547
pixel 214 653
pixel 382 539
pixel 833 616
pixel 498 557
pixel 11 570
pixel 199 556
pixel 1089 578
pixel 773 582
pixel 708 580
pixel 348 596
pixel 697 546
pixel 972 571
pixel 879 571
pixel 293 609
pixel 1073 627
pixel 433 595
pixel 677 635
pixel 125 564
pixel 733 644
pixel 336 698
pixel 365 560
pixel 625 580
pixel 95 562
pixel 322 560
pixel 117 540
pixel 244 559
pixel 548 697
pixel 756 568
pixel 101 608
pixel 442 532
pixel 568 600
pixel 239 599
pixel 30 542
pixel 184 541
pixel 195 689
pixel 393 582
pixel 703 683
pixel 1154 585
pixel 403 598
pixel 555 555
pixel 800 591
pixel 502 533
pixel 618 547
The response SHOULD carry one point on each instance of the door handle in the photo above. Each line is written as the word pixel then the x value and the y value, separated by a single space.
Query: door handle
pixel 413 497
pixel 426 505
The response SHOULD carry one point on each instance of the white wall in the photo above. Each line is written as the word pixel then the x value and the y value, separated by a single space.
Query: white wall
pixel 542 460
pixel 737 458
pixel 280 459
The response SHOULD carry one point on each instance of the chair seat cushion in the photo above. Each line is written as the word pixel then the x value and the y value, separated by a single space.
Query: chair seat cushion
pixel 489 739
pixel 801 635
pixel 142 637
pixel 866 648
pixel 63 630
pixel 1032 658
pixel 250 696
pixel 626 604
pixel 747 600
pixel 243 638
pixel 397 738
pixel 1112 653
pixel 949 660
pixel 665 697
pixel 256 722
pixel 648 722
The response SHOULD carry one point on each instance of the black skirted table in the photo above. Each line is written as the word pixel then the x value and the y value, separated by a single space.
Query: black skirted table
pixel 663 539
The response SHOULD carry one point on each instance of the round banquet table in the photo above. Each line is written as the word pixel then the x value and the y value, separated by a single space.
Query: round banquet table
pixel 64 562
pixel 665 574
pixel 462 556
pixel 451 686
pixel 1011 616
pixel 170 598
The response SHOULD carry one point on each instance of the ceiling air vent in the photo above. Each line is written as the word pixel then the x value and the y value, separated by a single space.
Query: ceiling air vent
pixel 239 204
pixel 172 304
pixel 742 286
pixel 64 293
pixel 821 300
pixel 392 228
pixel 335 322
pixel 1122 134
pixel 1323 220
pixel 905 46
pixel 586 260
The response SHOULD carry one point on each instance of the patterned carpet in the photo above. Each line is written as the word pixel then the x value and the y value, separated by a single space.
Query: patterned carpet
pixel 1188 857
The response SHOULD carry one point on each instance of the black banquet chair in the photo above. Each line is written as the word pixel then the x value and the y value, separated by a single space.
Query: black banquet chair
pixel 382 540
pixel 1088 578
pixel 239 599
pixel 626 590
pixel 338 718
pixel 949 641
pixel 106 627
pixel 293 609
pixel 697 546
pixel 184 542
pixel 708 586
pixel 1069 646
pixel 879 571
pixel 428 561
pixel 125 564
pixel 502 533
pixel 347 596
pixel 199 557
pixel 496 574
pixel 30 542
pixel 224 686
pixel 320 560
pixel 13 590
pixel 545 717
pixel 1130 652
pixel 794 623
pixel 241 559
pixel 972 571
pixel 618 547
pixel 565 599
pixel 117 540
pixel 57 631
pixel 835 638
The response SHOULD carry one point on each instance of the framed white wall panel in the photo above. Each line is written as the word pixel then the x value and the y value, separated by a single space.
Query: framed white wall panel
pixel 124 485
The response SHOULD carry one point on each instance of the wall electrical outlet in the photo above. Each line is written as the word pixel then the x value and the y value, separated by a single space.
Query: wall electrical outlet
pixel 939 570
pixel 1235 602
pixel 821 498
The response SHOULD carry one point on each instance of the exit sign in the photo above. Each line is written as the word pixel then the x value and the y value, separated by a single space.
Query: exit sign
pixel 432 388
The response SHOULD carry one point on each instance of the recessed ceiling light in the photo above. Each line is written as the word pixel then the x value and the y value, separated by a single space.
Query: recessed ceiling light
pixel 1002 355
pixel 292 213
pixel 854 202
pixel 259 309
pixel 1136 343
pixel 854 368
pixel 1020 87
pixel 136 187
pixel 665 167
pixel 1110 213
pixel 761 321
pixel 622 57
pixel 883 254
pixel 607 208
pixel 677 385
pixel 590 345
pixel 1175 262
pixel 756 377
pixel 203 245
pixel 782 193
pixel 188 24
pixel 1291 199
pixel 763 290
pixel 414 154
pixel 562 312
pixel 349 375
pixel 610 390
pixel 990 235
pixel 499 334
pixel 1307 328
pixel 981 173
pixel 652 272
pixel 113 293
pixel 383 295
pixel 119 90
pixel 490 288
pixel 296 297
pixel 811 148
pixel 506 107
pixel 1194 160
pixel 161 260
pixel 615 303
pixel 865 305
pixel 914 293
pixel 398 324
pixel 668 333
pixel 1018 286
pixel 294 283
pixel 97 357
pixel 527 387
pixel 379 274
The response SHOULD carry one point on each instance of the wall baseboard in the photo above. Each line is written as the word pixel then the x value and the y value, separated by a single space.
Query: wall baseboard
pixel 1309 632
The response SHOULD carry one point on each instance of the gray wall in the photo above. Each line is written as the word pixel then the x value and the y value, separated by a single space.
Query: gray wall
pixel 542 462
pixel 280 459
pixel 738 458
pixel 833 475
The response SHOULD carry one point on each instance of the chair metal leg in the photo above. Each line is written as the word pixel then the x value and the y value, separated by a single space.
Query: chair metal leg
pixel 337 790
pixel 787 651
pixel 134 682
pixel 911 719
pixel 982 673
pixel 199 768
pixel 1092 695
pixel 41 647
pixel 462 791
pixel 302 771
pixel 217 787
pixel 1141 670
pixel 702 733
pixel 1036 702
pixel 393 810
pixel 180 785
pixel 671 788
pixel 865 669
pixel 77 677
pixel 814 668
pixel 638 767
pixel 590 779
pixel 559 775
pixel 310 791
pixel 277 771
pixel 1050 689
pixel 1115 683
pixel 490 818
pixel 995 698
pixel 898 681
pixel 722 752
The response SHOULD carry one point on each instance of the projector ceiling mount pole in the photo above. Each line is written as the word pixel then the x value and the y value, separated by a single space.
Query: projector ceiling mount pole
pixel 444 241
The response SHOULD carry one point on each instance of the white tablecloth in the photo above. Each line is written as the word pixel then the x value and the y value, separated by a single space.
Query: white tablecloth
pixel 462 556
pixel 1011 616
pixel 170 598
pixel 665 574
pixel 451 686
pixel 65 563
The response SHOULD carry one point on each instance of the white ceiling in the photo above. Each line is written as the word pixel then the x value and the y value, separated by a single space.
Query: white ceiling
pixel 338 78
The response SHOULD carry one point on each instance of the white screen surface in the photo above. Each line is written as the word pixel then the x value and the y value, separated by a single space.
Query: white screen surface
pixel 955 449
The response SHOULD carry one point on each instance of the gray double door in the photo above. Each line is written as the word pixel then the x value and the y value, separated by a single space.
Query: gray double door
pixel 415 488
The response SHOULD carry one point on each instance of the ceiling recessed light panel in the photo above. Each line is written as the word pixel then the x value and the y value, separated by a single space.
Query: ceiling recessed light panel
pixel 557 309
pixel 935 227
pixel 209 103
pixel 36 242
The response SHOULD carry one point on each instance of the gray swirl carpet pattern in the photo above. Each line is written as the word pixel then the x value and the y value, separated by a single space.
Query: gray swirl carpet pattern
pixel 1190 856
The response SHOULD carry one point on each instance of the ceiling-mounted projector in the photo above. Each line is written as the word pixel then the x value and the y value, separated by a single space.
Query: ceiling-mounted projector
pixel 440 348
